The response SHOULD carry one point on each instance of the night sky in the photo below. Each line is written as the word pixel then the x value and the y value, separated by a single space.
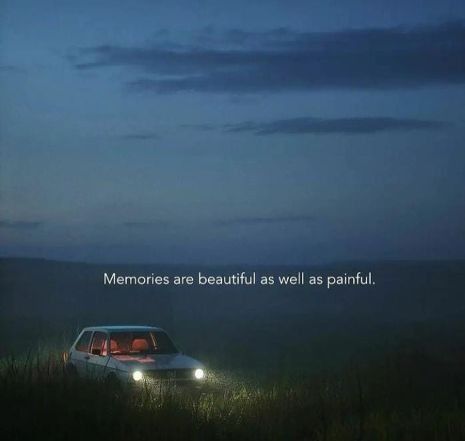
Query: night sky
pixel 291 132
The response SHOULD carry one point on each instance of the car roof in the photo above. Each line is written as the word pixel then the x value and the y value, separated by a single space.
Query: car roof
pixel 122 328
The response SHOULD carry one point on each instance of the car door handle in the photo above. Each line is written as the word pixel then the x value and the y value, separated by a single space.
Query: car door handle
pixel 87 357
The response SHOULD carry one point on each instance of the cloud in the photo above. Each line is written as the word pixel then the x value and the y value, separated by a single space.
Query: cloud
pixel 140 136
pixel 9 68
pixel 253 221
pixel 202 127
pixel 147 224
pixel 20 225
pixel 244 221
pixel 322 126
pixel 283 60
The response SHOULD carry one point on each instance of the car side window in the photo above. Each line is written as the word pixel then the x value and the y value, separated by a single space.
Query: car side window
pixel 83 343
pixel 99 344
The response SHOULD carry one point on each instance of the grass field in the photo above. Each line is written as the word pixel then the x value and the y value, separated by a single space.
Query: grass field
pixel 382 364
pixel 405 396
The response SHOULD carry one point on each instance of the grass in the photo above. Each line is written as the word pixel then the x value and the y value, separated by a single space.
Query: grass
pixel 406 396
pixel 282 359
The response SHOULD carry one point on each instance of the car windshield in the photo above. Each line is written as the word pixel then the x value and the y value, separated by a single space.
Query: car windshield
pixel 141 342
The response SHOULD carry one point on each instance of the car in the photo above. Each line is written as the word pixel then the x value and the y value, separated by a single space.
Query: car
pixel 132 354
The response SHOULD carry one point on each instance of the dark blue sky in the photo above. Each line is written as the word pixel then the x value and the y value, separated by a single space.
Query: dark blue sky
pixel 254 132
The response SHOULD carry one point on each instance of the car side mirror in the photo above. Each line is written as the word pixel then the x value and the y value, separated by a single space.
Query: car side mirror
pixel 96 351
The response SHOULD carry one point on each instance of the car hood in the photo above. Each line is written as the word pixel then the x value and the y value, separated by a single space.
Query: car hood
pixel 157 361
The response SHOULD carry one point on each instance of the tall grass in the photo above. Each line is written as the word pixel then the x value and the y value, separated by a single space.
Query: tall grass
pixel 408 396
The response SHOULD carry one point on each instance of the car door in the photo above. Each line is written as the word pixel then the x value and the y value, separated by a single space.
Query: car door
pixel 98 355
pixel 80 353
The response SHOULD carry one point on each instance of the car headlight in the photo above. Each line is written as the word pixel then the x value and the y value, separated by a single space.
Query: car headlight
pixel 137 375
pixel 199 374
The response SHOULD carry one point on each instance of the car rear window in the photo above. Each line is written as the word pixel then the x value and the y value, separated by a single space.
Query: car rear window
pixel 99 346
pixel 83 343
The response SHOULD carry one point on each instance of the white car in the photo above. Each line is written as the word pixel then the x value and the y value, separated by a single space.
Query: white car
pixel 131 354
